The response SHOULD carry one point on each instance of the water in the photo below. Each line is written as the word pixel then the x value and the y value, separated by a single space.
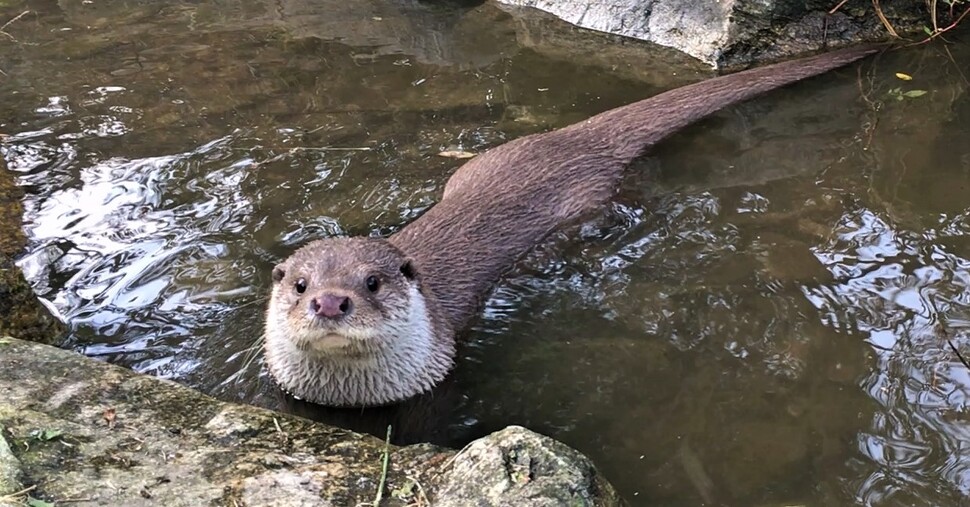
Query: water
pixel 760 317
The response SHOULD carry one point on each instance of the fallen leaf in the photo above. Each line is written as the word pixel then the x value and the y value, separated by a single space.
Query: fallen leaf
pixel 904 77
pixel 109 417
pixel 456 154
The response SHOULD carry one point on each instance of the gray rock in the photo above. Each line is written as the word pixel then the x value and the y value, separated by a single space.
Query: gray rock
pixel 97 434
pixel 9 473
pixel 696 28
pixel 516 466
pixel 730 33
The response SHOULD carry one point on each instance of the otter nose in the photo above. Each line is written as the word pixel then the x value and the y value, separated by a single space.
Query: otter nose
pixel 330 306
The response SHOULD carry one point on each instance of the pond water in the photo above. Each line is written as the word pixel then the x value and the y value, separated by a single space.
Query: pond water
pixel 763 316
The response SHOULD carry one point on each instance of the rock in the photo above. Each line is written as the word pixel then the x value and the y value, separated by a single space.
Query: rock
pixel 515 466
pixel 9 473
pixel 11 235
pixel 21 314
pixel 99 434
pixel 731 33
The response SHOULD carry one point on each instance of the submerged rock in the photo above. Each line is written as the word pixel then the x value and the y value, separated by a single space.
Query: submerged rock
pixel 98 434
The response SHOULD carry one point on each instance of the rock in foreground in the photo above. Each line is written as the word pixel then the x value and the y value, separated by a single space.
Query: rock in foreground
pixel 90 433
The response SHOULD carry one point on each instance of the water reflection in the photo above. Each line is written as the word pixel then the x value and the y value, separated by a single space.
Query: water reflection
pixel 759 318
pixel 898 290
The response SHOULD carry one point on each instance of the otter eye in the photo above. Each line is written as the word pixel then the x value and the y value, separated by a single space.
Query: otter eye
pixel 373 283
pixel 300 286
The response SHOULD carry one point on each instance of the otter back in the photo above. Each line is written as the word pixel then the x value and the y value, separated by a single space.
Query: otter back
pixel 500 204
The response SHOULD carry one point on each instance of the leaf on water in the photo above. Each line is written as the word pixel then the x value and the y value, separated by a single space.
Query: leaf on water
pixel 914 93
pixel 456 154
pixel 904 77
pixel 36 502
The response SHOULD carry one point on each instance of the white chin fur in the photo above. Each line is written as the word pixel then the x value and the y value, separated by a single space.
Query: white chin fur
pixel 330 342
pixel 337 342
pixel 403 359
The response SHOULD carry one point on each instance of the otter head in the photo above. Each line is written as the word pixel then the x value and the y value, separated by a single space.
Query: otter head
pixel 349 324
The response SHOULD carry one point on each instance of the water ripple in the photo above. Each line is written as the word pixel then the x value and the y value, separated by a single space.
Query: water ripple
pixel 900 296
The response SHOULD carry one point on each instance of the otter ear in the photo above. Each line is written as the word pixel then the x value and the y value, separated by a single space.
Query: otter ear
pixel 407 269
pixel 278 273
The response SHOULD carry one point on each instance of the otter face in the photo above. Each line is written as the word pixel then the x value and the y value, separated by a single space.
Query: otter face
pixel 340 296
pixel 348 324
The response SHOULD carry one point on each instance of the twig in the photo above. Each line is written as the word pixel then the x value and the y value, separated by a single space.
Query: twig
pixel 885 22
pixel 837 7
pixel 8 23
pixel 386 458
pixel 422 497
pixel 957 352
pixel 941 325
pixel 941 31
pixel 321 148
pixel 295 149
pixel 16 496
pixel 956 66
pixel 870 129
pixel 330 148
pixel 456 455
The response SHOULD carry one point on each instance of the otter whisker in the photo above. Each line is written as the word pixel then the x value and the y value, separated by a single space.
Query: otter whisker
pixel 253 352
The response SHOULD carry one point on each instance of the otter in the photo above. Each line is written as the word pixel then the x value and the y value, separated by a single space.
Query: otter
pixel 373 321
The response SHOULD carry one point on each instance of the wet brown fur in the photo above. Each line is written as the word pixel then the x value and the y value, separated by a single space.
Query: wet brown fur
pixel 499 205
pixel 495 208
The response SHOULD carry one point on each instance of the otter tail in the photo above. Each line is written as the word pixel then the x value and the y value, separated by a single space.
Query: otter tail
pixel 625 129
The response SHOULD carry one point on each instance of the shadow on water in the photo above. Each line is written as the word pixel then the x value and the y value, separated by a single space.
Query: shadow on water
pixel 759 318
